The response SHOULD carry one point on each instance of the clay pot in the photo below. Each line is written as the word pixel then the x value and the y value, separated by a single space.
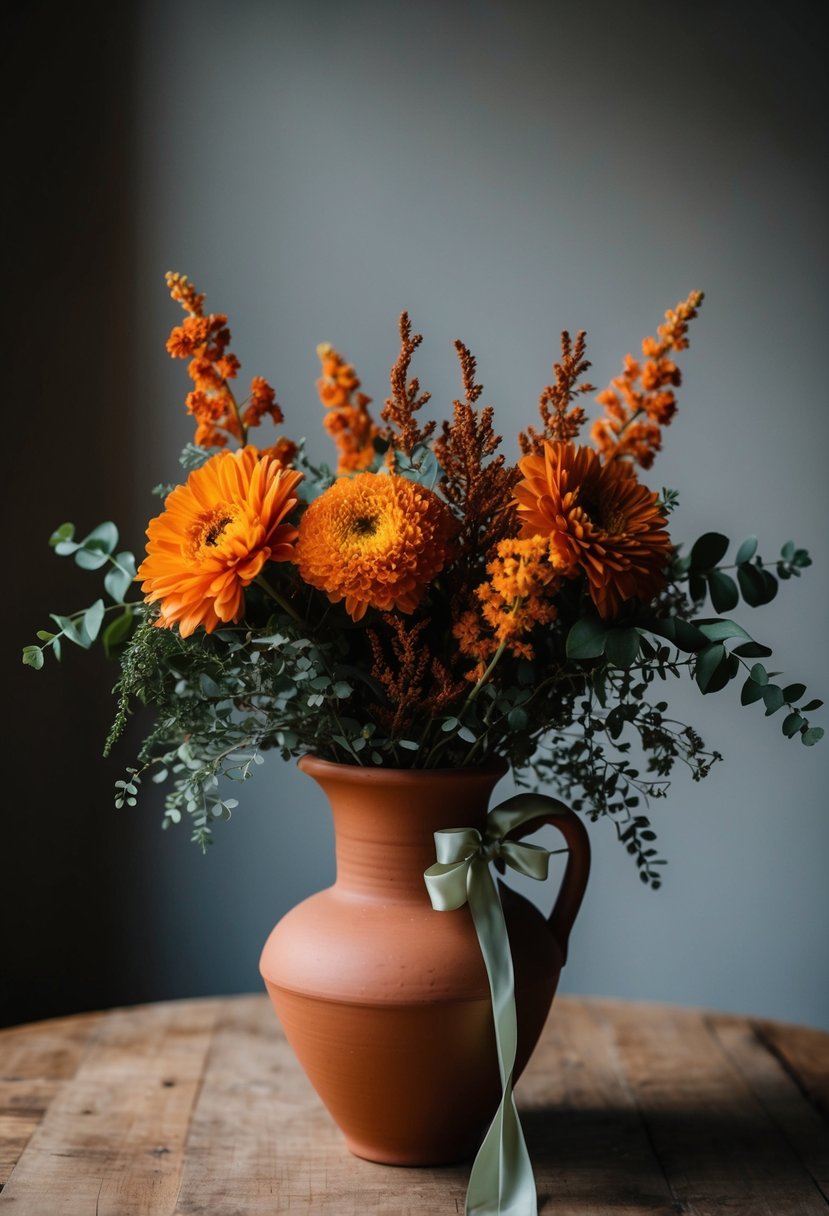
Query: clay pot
pixel 384 1000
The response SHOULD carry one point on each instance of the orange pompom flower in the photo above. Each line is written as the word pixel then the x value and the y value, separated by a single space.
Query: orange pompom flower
pixel 376 541
pixel 600 521
pixel 214 536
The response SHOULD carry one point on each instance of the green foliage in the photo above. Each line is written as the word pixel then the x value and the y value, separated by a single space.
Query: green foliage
pixel 83 627
pixel 569 717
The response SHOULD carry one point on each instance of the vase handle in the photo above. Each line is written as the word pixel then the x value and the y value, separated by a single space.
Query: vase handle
pixel 577 871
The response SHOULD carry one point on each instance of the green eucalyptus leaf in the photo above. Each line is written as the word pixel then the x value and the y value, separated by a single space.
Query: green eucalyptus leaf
pixel 117 631
pixel 720 630
pixel 759 674
pixel 92 620
pixel 587 639
pixel 68 628
pixel 33 657
pixel 812 706
pixel 622 647
pixel 697 587
pixel 62 534
pixel 751 692
pixel 517 718
pixel 708 550
pixel 773 698
pixel 793 692
pixel 723 591
pixel 119 579
pixel 812 735
pixel 752 650
pixel 753 585
pixel 746 550
pixel 792 723
pixel 104 538
pixel 91 559
pixel 708 661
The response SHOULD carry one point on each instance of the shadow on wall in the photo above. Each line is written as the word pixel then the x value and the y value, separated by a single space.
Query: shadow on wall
pixel 70 418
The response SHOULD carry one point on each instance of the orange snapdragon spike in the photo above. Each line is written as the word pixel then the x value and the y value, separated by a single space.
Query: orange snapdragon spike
pixel 347 419
pixel 641 400
pixel 204 340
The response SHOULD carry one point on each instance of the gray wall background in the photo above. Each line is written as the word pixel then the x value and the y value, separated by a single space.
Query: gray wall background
pixel 502 171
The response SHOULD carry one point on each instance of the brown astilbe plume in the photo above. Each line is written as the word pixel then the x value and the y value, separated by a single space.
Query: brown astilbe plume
pixel 476 481
pixel 403 432
pixel 561 422
pixel 418 685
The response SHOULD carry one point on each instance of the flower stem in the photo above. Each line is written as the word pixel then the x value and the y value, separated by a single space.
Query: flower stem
pixel 280 600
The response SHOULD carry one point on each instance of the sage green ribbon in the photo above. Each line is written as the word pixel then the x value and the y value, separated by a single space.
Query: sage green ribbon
pixel 501 1182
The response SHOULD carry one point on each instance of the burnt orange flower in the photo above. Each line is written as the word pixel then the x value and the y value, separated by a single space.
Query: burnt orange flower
pixel 214 536
pixel 375 540
pixel 641 400
pixel 204 340
pixel 599 520
pixel 347 419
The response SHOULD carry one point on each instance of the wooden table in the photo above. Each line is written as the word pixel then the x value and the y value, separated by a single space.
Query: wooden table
pixel 199 1107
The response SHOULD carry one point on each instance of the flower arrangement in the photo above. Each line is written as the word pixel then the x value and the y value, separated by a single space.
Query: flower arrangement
pixel 425 604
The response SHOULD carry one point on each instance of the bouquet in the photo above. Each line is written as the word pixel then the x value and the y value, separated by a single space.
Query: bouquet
pixel 425 603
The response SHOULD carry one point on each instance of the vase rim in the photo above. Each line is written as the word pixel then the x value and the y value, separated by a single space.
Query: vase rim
pixel 317 766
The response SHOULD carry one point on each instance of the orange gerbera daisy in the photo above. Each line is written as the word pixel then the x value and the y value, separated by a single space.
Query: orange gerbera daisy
pixel 599 520
pixel 375 540
pixel 214 536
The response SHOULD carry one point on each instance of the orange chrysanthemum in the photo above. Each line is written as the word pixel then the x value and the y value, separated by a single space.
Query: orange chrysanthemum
pixel 376 541
pixel 214 536
pixel 600 521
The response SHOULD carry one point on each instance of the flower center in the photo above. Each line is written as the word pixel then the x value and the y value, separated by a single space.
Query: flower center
pixel 364 526
pixel 209 529
pixel 602 514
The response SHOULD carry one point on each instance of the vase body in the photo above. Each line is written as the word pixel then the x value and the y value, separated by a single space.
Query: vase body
pixel 385 1001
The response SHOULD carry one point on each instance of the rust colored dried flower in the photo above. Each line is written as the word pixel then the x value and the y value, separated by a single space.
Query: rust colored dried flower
pixel 214 536
pixel 204 340
pixel 561 419
pixel 375 541
pixel 347 419
pixel 599 521
pixel 641 400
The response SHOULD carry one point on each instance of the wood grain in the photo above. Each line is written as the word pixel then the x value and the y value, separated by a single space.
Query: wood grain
pixel 199 1107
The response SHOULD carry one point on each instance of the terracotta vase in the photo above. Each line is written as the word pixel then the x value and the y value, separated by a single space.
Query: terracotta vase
pixel 384 1000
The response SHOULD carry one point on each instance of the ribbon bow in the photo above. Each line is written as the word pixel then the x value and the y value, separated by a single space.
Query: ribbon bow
pixel 501 1182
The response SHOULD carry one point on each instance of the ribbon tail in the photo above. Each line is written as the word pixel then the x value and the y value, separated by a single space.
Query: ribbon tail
pixel 501 1182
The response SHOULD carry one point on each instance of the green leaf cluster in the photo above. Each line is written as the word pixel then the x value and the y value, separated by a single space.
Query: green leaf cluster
pixel 82 628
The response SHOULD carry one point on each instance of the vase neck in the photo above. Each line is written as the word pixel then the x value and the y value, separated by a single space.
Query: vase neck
pixel 385 821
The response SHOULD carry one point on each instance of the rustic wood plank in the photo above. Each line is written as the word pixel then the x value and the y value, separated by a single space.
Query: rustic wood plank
pixel 805 1053
pixel 261 1141
pixel 200 1107
pixel 35 1063
pixel 49 1050
pixel 23 1104
pixel 718 1147
pixel 586 1138
pixel 111 1142
pixel 780 1094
